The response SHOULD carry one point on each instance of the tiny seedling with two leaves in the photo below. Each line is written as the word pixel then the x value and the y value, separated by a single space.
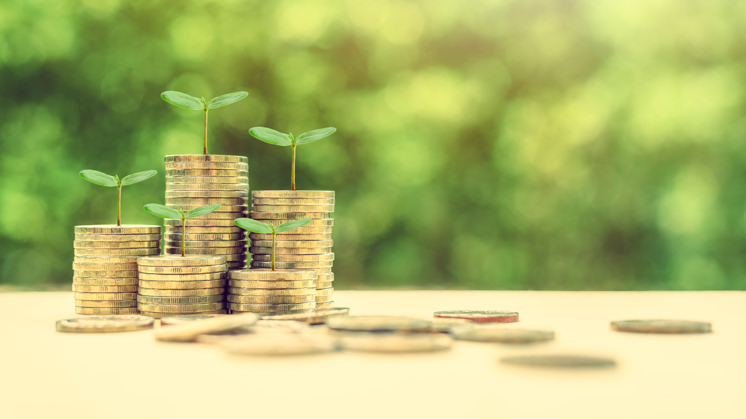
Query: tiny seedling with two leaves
pixel 183 100
pixel 270 136
pixel 176 214
pixel 259 227
pixel 103 179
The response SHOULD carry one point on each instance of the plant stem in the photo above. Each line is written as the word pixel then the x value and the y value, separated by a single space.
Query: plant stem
pixel 119 205
pixel 183 234
pixel 292 173
pixel 273 250
pixel 204 149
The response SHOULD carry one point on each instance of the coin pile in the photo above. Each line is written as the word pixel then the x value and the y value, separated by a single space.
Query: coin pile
pixel 307 247
pixel 265 291
pixel 105 266
pixel 171 285
pixel 196 180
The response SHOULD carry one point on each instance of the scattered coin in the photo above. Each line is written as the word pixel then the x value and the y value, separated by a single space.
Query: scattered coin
pixel 189 331
pixel 501 334
pixel 104 324
pixel 560 361
pixel 378 324
pixel 661 326
pixel 318 316
pixel 395 343
pixel 480 316
pixel 187 318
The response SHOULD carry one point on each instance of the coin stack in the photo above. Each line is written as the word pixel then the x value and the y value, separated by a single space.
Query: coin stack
pixel 203 179
pixel 171 285
pixel 265 291
pixel 105 266
pixel 307 247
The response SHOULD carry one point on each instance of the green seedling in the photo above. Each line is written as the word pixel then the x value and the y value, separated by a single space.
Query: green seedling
pixel 183 100
pixel 176 214
pixel 259 227
pixel 273 137
pixel 100 178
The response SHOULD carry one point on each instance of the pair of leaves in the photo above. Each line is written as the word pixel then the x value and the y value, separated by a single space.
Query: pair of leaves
pixel 259 227
pixel 183 100
pixel 270 136
pixel 171 213
pixel 103 179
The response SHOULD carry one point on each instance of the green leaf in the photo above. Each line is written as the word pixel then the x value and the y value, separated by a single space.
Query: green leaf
pixel 315 135
pixel 254 226
pixel 182 100
pixel 163 211
pixel 138 177
pixel 197 212
pixel 99 178
pixel 292 225
pixel 270 136
pixel 227 99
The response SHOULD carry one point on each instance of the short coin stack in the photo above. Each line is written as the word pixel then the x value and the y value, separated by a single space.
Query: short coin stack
pixel 264 291
pixel 196 180
pixel 105 266
pixel 171 285
pixel 307 247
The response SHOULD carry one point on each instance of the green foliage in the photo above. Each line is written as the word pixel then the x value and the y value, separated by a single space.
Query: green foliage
pixel 99 178
pixel 138 177
pixel 198 212
pixel 164 212
pixel 103 179
pixel 315 135
pixel 292 225
pixel 254 226
pixel 183 100
pixel 270 136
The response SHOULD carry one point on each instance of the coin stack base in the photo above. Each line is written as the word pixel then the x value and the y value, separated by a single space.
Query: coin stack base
pixel 105 267
pixel 307 247
pixel 175 285
pixel 194 180
pixel 265 291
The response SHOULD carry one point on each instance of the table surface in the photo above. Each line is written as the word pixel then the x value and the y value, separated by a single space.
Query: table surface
pixel 51 374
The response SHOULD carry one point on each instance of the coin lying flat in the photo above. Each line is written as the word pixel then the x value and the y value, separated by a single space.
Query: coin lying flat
pixel 294 194
pixel 81 244
pixel 198 299
pixel 105 310
pixel 279 344
pixel 114 229
pixel 104 266
pixel 178 270
pixel 321 259
pixel 157 315
pixel 292 201
pixel 270 275
pixel 118 238
pixel 271 299
pixel 501 334
pixel 317 316
pixel 395 343
pixel 105 281
pixel 207 172
pixel 81 273
pixel 181 308
pixel 282 237
pixel 273 292
pixel 183 277
pixel 318 267
pixel 181 285
pixel 560 361
pixel 104 324
pixel 104 288
pixel 169 250
pixel 106 303
pixel 147 251
pixel 378 324
pixel 180 293
pixel 480 316
pixel 277 208
pixel 206 165
pixel 205 158
pixel 189 331
pixel 661 326
pixel 176 237
pixel 104 296
pixel 272 308
pixel 238 283
pixel 207 200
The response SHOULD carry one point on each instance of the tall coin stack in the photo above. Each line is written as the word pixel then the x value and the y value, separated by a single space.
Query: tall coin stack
pixel 265 291
pixel 175 284
pixel 105 266
pixel 307 247
pixel 203 179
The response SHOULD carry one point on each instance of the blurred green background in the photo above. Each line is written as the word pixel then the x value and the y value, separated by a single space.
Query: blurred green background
pixel 483 144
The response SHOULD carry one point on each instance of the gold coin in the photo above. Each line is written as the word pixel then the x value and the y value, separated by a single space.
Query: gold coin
pixel 181 270
pixel 325 276
pixel 105 281
pixel 206 201
pixel 292 208
pixel 207 237
pixel 118 252
pixel 108 260
pixel 200 223
pixel 318 267
pixel 326 223
pixel 113 229
pixel 324 292
pixel 270 299
pixel 102 311
pixel 104 296
pixel 259 254
pixel 320 306
pixel 296 194
pixel 206 172
pixel 283 237
pixel 271 308
pixel 207 189
pixel 180 308
pixel 300 251
pixel 204 250
pixel 207 243
pixel 120 238
pixel 222 216
pixel 289 215
pixel 324 299
pixel 191 230
pixel 104 324
pixel 77 244
pixel 80 273
pixel 104 288
pixel 272 292
pixel 181 261
pixel 182 277
pixel 104 267
pixel 181 285
pixel 161 315
pixel 201 180
pixel 206 165
pixel 207 194
pixel 292 243
pixel 191 330
pixel 292 201
pixel 203 299
pixel 238 283
pixel 269 275
pixel 205 158
pixel 318 316
pixel 236 265
pixel 223 208
pixel 106 304
pixel 180 293
pixel 323 284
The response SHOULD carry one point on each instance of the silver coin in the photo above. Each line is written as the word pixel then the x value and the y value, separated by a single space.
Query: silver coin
pixel 395 343
pixel 379 324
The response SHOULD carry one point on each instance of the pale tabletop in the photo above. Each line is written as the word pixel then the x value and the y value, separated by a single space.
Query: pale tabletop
pixel 46 374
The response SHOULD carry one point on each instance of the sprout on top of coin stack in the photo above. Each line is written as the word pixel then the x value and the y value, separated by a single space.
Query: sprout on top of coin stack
pixel 181 284
pixel 105 264
pixel 308 247
pixel 271 291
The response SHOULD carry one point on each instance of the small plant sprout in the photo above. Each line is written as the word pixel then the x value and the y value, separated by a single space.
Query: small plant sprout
pixel 259 227
pixel 273 137
pixel 183 100
pixel 100 178
pixel 176 214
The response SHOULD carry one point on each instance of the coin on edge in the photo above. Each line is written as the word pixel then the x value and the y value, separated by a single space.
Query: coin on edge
pixel 104 324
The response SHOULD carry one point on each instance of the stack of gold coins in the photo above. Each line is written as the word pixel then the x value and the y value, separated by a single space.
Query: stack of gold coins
pixel 171 285
pixel 307 247
pixel 105 266
pixel 265 291
pixel 196 180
